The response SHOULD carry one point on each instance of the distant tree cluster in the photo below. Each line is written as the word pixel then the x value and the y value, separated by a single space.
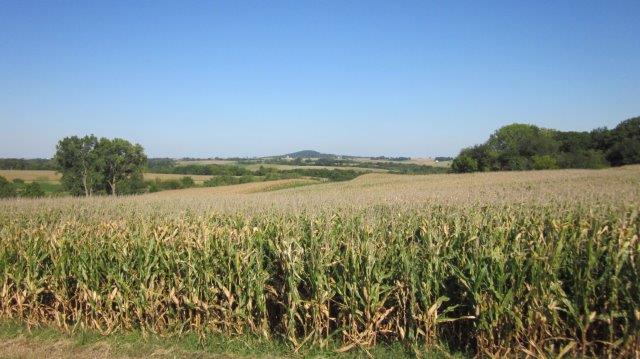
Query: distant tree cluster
pixel 27 164
pixel 161 185
pixel 271 173
pixel 19 188
pixel 196 169
pixel 158 164
pixel 528 147
pixel 90 165
pixel 226 180
pixel 385 158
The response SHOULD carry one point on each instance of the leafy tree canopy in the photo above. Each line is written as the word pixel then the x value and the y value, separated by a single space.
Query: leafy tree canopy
pixel 526 147
pixel 90 166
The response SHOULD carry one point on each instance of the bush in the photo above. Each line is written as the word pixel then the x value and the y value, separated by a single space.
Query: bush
pixel 582 159
pixel 187 182
pixel 32 190
pixel 7 189
pixel 625 152
pixel 464 164
pixel 544 162
pixel 171 184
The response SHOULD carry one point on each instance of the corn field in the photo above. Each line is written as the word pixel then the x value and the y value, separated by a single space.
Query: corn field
pixel 492 264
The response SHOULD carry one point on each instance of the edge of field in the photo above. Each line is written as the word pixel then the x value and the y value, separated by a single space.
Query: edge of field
pixel 18 341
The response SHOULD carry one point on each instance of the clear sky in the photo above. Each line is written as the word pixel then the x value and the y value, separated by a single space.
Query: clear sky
pixel 226 78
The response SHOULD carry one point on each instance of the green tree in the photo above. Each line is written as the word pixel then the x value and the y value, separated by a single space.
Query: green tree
pixel 625 148
pixel 90 166
pixel 525 147
pixel 32 190
pixel 516 144
pixel 582 159
pixel 7 189
pixel 119 161
pixel 77 160
pixel 544 162
pixel 464 164
pixel 624 152
pixel 601 139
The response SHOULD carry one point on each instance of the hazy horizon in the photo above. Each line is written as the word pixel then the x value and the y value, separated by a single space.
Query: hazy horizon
pixel 251 79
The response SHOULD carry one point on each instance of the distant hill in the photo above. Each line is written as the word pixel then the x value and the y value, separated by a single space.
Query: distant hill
pixel 309 154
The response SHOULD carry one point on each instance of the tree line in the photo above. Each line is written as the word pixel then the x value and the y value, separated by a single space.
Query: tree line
pixel 27 164
pixel 529 147
pixel 19 188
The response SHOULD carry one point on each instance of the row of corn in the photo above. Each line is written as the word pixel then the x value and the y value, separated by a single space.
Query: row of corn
pixel 495 281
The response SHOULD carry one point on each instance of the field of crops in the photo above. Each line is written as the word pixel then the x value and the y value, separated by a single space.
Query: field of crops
pixel 523 263
pixel 53 176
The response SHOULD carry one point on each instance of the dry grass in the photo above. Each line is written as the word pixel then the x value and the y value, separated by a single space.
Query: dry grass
pixel 24 348
pixel 30 175
pixel 170 176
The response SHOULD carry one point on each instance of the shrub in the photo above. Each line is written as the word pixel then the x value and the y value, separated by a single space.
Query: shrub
pixel 544 162
pixel 187 182
pixel 32 190
pixel 7 189
pixel 464 164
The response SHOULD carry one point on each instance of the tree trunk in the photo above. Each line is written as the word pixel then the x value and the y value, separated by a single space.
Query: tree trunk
pixel 112 184
pixel 87 193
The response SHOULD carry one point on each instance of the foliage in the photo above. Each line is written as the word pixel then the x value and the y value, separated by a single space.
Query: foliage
pixel 226 180
pixel 27 164
pixel 90 166
pixel 544 162
pixel 187 182
pixel 525 147
pixel 464 164
pixel 32 190
pixel 156 165
pixel 541 280
pixel 385 158
pixel 120 161
pixel 309 154
pixel 625 146
pixel 7 189
pixel 208 170
pixel 582 159
pixel 78 161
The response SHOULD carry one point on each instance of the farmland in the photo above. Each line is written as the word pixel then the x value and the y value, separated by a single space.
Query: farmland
pixel 515 263
pixel 53 176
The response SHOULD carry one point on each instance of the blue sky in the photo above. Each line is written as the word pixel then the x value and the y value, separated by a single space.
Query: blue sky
pixel 214 78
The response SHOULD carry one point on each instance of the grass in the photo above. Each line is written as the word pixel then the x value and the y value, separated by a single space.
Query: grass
pixel 136 344
pixel 31 175
pixel 491 264
pixel 169 176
